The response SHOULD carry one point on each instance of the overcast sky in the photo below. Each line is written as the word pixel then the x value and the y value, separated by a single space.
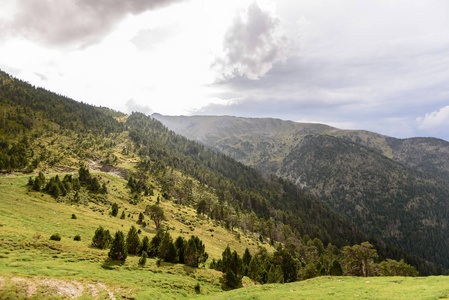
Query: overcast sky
pixel 377 65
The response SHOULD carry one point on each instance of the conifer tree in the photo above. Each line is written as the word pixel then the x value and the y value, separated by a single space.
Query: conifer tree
pixel 246 257
pixel 275 274
pixel 114 209
pixel 145 244
pixel 118 249
pixel 335 268
pixel 231 280
pixel 102 238
pixel 153 248
pixel 133 241
pixel 180 245
pixel 143 259
pixel 167 250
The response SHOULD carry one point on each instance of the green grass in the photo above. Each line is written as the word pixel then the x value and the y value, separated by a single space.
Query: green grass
pixel 434 287
pixel 29 218
pixel 30 261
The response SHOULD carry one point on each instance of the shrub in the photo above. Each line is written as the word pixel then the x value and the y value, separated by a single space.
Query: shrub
pixel 197 288
pixel 114 209
pixel 55 237
pixel 77 238
pixel 143 259
pixel 73 216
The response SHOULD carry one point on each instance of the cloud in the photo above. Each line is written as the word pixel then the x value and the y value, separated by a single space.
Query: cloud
pixel 133 106
pixel 252 45
pixel 435 119
pixel 148 39
pixel 79 22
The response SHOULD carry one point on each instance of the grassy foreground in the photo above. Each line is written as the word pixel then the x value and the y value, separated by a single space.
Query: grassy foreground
pixel 433 287
pixel 34 267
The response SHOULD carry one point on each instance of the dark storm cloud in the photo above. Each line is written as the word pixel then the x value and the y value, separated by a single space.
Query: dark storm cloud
pixel 76 22
pixel 251 45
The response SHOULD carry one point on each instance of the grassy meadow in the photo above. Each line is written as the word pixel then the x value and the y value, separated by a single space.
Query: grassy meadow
pixel 28 219
pixel 33 266
pixel 433 287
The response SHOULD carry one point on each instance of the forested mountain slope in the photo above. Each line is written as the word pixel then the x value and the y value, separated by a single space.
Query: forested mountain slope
pixel 393 188
pixel 42 131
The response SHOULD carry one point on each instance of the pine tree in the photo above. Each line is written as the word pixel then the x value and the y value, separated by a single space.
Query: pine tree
pixel 133 241
pixel 102 238
pixel 143 259
pixel 167 250
pixel 153 248
pixel 180 245
pixel 231 280
pixel 335 268
pixel 275 274
pixel 118 249
pixel 195 253
pixel 246 258
pixel 114 209
pixel 141 218
pixel 145 244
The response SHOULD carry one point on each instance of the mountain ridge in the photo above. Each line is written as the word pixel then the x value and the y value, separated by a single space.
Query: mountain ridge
pixel 357 172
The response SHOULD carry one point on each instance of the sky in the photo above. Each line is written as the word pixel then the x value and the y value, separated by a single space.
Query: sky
pixel 377 65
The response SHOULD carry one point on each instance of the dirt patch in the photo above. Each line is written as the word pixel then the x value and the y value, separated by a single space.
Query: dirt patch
pixel 118 172
pixel 61 288
pixel 2 282
pixel 110 293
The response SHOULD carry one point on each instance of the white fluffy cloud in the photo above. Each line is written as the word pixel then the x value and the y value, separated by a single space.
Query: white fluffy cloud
pixel 252 44
pixel 435 119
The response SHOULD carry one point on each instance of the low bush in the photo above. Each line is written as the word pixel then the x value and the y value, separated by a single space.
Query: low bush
pixel 55 237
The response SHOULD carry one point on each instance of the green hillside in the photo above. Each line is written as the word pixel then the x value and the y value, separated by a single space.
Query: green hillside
pixel 391 188
pixel 177 219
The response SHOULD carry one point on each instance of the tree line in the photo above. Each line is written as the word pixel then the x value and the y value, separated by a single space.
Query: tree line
pixel 191 252
pixel 286 264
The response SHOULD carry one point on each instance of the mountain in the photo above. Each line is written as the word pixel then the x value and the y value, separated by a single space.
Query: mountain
pixel 393 188
pixel 67 168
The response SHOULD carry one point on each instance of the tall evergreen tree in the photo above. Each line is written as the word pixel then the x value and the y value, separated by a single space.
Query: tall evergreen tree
pixel 180 245
pixel 145 244
pixel 167 250
pixel 335 268
pixel 133 241
pixel 118 249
